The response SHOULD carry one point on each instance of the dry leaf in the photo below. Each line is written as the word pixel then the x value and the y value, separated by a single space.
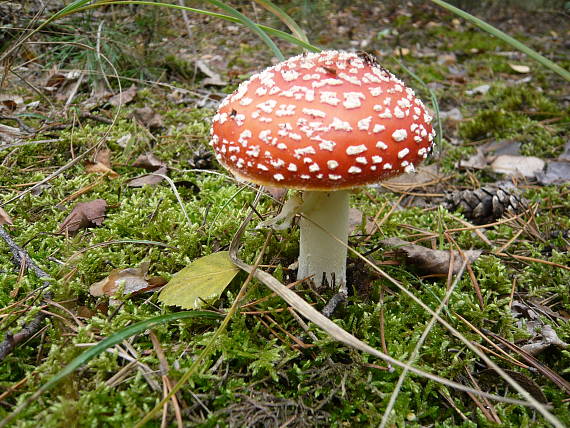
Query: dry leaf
pixel 149 162
pixel 149 118
pixel 84 214
pixel 428 260
pixel 213 77
pixel 476 161
pixel 520 68
pixel 4 217
pixel 102 164
pixel 9 133
pixel 99 168
pixel 124 97
pixel 129 281
pixel 527 166
pixel 545 339
pixel 555 173
pixel 148 179
pixel 201 281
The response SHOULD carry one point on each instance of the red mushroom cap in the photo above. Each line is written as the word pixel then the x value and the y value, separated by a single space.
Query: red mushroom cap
pixel 322 121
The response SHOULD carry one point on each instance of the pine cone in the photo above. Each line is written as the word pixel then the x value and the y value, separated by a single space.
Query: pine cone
pixel 486 204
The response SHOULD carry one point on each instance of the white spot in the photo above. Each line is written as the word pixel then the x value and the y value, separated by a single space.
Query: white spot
pixel 253 151
pixel 289 75
pixel 232 149
pixel 307 160
pixel 378 128
pixel 278 177
pixel 376 159
pixel 352 79
pixel 329 97
pixel 292 167
pixel 355 150
pixel 399 113
pixel 404 103
pixel 410 168
pixel 261 91
pixel 314 167
pixel 352 99
pixel 381 145
pixel 282 146
pixel 305 177
pixel 327 145
pixel 335 177
pixel 340 125
pixel 387 114
pixel 264 135
pixel 364 124
pixel 387 166
pixel 354 170
pixel 332 164
pixel 277 163
pixel 262 167
pixel 246 101
pixel 399 135
pixel 309 150
pixel 422 151
pixel 314 112
pixel 267 106
pixel 402 153
pixel 362 160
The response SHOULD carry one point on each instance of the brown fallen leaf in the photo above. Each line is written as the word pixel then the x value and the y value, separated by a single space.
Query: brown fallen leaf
pixel 148 117
pixel 148 179
pixel 101 163
pixel 129 281
pixel 4 217
pixel 543 341
pixel 149 162
pixel 84 214
pixel 428 260
pixel 124 97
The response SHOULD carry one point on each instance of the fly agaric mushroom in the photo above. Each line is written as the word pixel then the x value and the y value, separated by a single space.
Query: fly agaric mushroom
pixel 323 123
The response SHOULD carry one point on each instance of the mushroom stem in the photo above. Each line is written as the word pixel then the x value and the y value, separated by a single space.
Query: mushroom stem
pixel 325 214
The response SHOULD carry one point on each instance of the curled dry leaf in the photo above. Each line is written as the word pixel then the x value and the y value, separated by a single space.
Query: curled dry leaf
pixel 544 340
pixel 101 163
pixel 148 179
pixel 129 281
pixel 523 69
pixel 84 214
pixel 4 217
pixel 428 260
pixel 124 97
pixel 148 118
pixel 149 162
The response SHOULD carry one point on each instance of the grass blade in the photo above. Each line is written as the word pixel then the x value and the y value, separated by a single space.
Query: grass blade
pixel 506 38
pixel 285 18
pixel 112 340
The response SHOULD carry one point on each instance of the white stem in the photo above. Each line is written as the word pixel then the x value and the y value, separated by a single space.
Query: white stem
pixel 319 252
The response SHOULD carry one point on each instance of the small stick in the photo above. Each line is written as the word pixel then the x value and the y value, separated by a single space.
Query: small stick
pixel 21 257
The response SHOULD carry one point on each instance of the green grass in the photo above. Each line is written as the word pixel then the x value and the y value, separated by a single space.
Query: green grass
pixel 326 383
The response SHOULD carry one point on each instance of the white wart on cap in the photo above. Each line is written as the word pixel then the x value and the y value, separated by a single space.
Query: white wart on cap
pixel 322 121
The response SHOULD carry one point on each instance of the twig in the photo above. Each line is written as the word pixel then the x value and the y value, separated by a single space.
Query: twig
pixel 21 257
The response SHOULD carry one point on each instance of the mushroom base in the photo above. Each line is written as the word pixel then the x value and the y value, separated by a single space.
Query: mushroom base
pixel 324 237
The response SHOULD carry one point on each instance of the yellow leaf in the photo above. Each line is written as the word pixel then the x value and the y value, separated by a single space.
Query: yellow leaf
pixel 202 280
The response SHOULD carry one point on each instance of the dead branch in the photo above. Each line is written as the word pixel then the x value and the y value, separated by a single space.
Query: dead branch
pixel 22 258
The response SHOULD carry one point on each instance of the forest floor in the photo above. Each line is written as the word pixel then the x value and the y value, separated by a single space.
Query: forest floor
pixel 78 150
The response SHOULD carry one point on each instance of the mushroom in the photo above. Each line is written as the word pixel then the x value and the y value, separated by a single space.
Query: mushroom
pixel 323 123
